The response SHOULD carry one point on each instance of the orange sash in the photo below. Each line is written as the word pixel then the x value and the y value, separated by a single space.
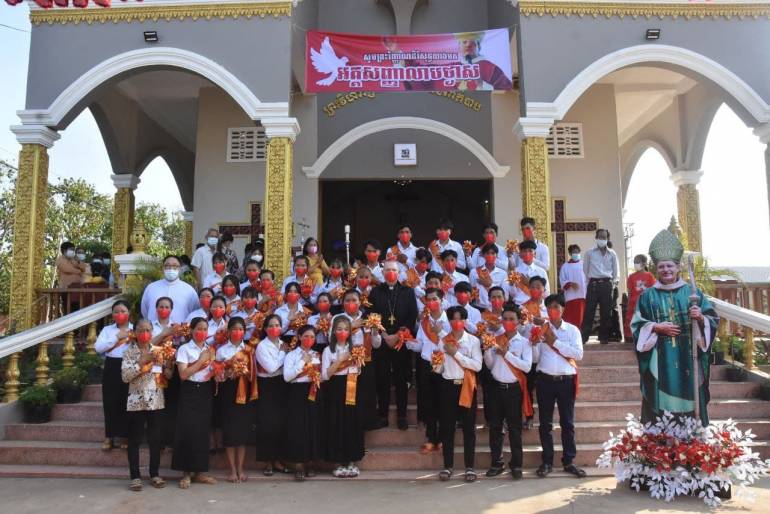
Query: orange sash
pixel 428 328
pixel 314 372
pixel 244 381
pixel 521 378
pixel 367 346
pixel 469 380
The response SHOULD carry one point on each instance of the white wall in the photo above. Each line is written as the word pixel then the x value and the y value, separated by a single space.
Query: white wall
pixel 305 192
pixel 507 151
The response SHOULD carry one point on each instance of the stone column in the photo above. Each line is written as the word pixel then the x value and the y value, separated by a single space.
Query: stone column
pixel 187 216
pixel 535 180
pixel 281 133
pixel 763 133
pixel 688 206
pixel 122 214
pixel 29 223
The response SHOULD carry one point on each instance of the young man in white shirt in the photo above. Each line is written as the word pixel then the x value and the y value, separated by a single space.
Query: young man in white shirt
pixel 528 269
pixel 443 242
pixel 487 275
pixel 490 238
pixel 542 254
pixel 372 251
pixel 403 251
pixel 557 348
pixel 449 258
pixel 573 282
pixel 201 260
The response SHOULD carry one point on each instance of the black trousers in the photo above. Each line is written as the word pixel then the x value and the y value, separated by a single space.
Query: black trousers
pixel 143 423
pixel 396 364
pixel 428 398
pixel 114 399
pixel 599 293
pixel 503 402
pixel 562 394
pixel 449 413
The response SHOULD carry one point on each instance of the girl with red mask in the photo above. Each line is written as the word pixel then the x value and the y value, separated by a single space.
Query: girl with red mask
pixel 317 268
pixel 162 329
pixel 214 280
pixel 248 310
pixel 273 394
pixel 291 308
pixel 251 273
pixel 372 250
pixel 237 418
pixel 342 422
pixel 162 326
pixel 112 343
pixel 145 404
pixel 335 282
pixel 193 427
pixel 301 268
pixel 231 290
pixel 217 320
pixel 269 295
pixel 304 401
pixel 205 296
pixel 323 307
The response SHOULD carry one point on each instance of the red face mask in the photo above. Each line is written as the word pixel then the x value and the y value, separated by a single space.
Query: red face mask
pixel 200 335
pixel 351 307
pixel 252 275
pixel 363 283
pixel 433 305
pixel 292 297
pixel 205 302
pixel 307 341
pixel 490 258
pixel 554 315
pixel 497 303
pixel 335 272
pixel 121 318
pixel 421 267
pixel 219 267
pixel 509 325
pixel 535 294
pixel 463 298
pixel 490 237
pixel 450 266
pixel 404 237
pixel 528 257
pixel 250 303
pixel 342 336
pixel 527 232
pixel 457 324
pixel 236 335
pixel 273 332
pixel 300 270
pixel 217 312
pixel 323 306
pixel 390 276
pixel 229 291
pixel 143 337
pixel 267 284
pixel 372 256
pixel 306 290
pixel 163 312
pixel 443 235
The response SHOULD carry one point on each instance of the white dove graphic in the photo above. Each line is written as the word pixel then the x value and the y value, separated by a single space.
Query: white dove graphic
pixel 326 61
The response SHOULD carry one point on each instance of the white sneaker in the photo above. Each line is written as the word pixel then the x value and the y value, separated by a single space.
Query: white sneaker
pixel 340 472
pixel 353 471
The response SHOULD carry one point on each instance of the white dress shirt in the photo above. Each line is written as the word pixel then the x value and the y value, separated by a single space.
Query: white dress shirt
pixel 340 353
pixel 197 313
pixel 409 250
pixel 189 353
pixel 357 337
pixel 519 354
pixel 422 343
pixel 501 262
pixel 474 316
pixel 468 356
pixel 108 337
pixel 330 285
pixel 462 263
pixel 498 276
pixel 214 281
pixel 201 259
pixel 270 358
pixel 228 350
pixel 283 312
pixel 572 273
pixel 250 326
pixel 181 293
pixel 598 264
pixel 542 256
pixel 569 344
pixel 215 327
pixel 376 272
pixel 294 363
pixel 320 337
pixel 529 271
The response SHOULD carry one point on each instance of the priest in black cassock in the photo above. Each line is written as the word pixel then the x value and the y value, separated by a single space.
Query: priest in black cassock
pixel 397 305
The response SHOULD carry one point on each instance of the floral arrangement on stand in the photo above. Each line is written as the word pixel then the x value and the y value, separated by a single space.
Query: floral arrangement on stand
pixel 678 456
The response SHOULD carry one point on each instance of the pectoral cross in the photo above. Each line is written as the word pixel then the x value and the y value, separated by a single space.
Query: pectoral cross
pixel 392 319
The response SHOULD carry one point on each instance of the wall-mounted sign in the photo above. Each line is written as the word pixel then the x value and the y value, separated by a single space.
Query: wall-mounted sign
pixel 405 154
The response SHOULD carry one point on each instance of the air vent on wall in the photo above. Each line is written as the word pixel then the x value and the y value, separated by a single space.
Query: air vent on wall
pixel 565 141
pixel 246 144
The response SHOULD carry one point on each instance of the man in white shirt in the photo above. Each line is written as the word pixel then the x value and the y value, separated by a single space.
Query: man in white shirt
pixel 403 251
pixel 542 254
pixel 181 293
pixel 490 238
pixel 557 348
pixel 372 250
pixel 201 261
pixel 487 275
pixel 573 281
pixel 600 266
pixel 444 242
pixel 527 268
pixel 451 277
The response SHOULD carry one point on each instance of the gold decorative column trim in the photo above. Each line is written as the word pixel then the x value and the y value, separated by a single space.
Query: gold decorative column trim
pixel 688 207
pixel 142 13
pixel 187 216
pixel 122 214
pixel 536 189
pixel 646 10
pixel 278 206
pixel 12 375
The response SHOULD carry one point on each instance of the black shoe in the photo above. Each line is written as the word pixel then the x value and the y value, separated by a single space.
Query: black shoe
pixel 402 424
pixel 544 470
pixel 494 471
pixel 604 342
pixel 574 470
pixel 383 422
pixel 516 474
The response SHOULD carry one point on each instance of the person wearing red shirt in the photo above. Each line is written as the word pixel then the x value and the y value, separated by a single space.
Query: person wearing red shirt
pixel 637 282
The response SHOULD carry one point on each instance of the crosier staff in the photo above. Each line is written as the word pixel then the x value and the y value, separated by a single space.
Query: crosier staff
pixel 696 335
pixel 347 245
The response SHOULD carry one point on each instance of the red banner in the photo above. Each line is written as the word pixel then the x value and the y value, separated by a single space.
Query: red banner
pixel 435 62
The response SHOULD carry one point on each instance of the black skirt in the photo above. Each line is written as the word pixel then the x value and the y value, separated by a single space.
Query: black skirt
pixel 271 418
pixel 237 420
pixel 171 402
pixel 343 430
pixel 193 427
pixel 303 428
pixel 366 397
pixel 114 399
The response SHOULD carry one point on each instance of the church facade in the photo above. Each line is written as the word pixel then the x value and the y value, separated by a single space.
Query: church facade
pixel 217 88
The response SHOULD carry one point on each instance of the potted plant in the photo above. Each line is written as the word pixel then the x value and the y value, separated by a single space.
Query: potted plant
pixel 764 390
pixel 36 403
pixel 69 384
pixel 719 352
pixel 735 373
pixel 92 364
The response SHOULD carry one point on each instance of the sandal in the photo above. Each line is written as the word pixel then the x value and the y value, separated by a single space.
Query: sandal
pixel 426 448
pixel 268 471
pixel 299 475
pixel 470 475
pixel 204 479
pixel 157 482
pixel 107 444
pixel 184 483
pixel 445 475
pixel 135 485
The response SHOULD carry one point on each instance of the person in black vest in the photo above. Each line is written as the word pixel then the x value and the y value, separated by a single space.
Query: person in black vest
pixel 397 305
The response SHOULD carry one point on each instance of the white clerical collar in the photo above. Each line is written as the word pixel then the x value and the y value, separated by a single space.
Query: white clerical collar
pixel 669 287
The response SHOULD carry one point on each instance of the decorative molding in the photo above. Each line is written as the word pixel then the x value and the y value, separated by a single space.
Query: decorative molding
pixel 763 133
pixel 405 122
pixel 533 127
pixel 187 215
pixel 142 13
pixel 686 177
pixel 35 135
pixel 281 127
pixel 686 10
pixel 151 57
pixel 649 53
pixel 125 180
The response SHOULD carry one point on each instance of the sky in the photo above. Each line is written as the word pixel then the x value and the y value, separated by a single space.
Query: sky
pixel 733 190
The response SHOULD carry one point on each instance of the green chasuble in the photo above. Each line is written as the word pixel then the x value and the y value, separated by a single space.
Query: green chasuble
pixel 666 371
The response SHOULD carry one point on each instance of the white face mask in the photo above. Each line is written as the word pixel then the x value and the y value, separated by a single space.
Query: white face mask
pixel 81 256
pixel 70 253
pixel 106 261
pixel 212 241
pixel 312 249
pixel 638 266
pixel 256 257
pixel 171 274
pixel 601 243
pixel 575 256
pixel 97 261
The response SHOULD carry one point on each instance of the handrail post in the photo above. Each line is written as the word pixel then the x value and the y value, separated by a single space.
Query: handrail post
pixel 41 371
pixel 91 338
pixel 748 348
pixel 68 352
pixel 12 375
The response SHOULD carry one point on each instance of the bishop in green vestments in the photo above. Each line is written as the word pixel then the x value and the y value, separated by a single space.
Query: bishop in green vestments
pixel 662 327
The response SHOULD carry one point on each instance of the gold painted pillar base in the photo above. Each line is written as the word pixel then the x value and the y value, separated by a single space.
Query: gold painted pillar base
pixel 278 207
pixel 536 192
pixel 188 233
pixel 688 207
pixel 122 215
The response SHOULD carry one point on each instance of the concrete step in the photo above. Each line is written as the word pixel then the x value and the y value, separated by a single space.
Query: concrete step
pixel 609 358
